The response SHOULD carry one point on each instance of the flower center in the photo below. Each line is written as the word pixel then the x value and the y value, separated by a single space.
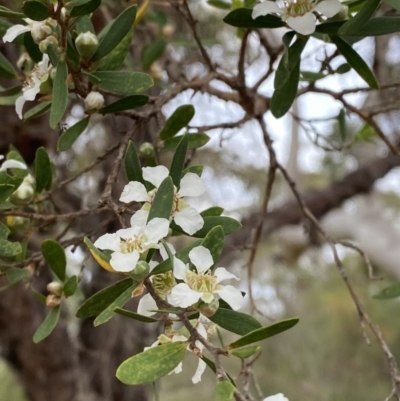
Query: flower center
pixel 297 8
pixel 128 245
pixel 202 282
pixel 163 283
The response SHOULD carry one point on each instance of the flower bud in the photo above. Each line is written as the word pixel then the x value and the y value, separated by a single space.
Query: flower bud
pixel 52 301
pixel 210 309
pixel 49 41
pixel 55 288
pixel 156 71
pixel 41 30
pixel 17 223
pixel 141 271
pixel 168 30
pixel 146 150
pixel 94 101
pixel 25 192
pixel 86 44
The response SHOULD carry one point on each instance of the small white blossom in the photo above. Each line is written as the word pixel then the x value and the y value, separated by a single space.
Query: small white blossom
pixel 202 284
pixel 39 30
pixel 11 164
pixel 94 101
pixel 299 14
pixel 26 190
pixel 128 244
pixel 188 218
pixel 276 397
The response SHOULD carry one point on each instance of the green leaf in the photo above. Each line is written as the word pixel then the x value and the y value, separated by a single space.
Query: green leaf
pixel 5 191
pixel 241 18
pixel 133 168
pixel 127 103
pixel 84 24
pixel 283 98
pixel 151 365
pixel 4 231
pixel 389 292
pixel 394 3
pixel 135 316
pixel 68 137
pixel 214 242
pixel 48 325
pixel 9 249
pixel 163 201
pixel 246 352
pixel 356 62
pixel 75 3
pixel 380 26
pixel 194 141
pixel 235 322
pixel 32 48
pixel 54 255
pixel 152 52
pixel 101 258
pixel 342 125
pixel 15 275
pixel 343 68
pixel 310 76
pixel 123 82
pixel 178 161
pixel 361 18
pixel 116 33
pixel 224 391
pixel 70 286
pixel 222 5
pixel 86 8
pixel 38 110
pixel 16 90
pixel 102 299
pixel 264 332
pixel 179 119
pixel 193 169
pixel 42 169
pixel 60 94
pixel 228 224
pixel 36 10
pixel 329 28
pixel 7 13
pixel 212 211
pixel 109 312
pixel 6 68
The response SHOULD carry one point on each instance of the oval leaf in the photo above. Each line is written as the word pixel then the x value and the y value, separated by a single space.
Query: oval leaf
pixel 151 365
pixel 214 242
pixel 133 168
pixel 152 52
pixel 36 10
pixel 389 293
pixel 54 255
pixel 16 275
pixel 70 286
pixel 60 94
pixel 178 161
pixel 224 391
pixel 246 352
pixel 179 119
pixel 194 141
pixel 9 249
pixel 235 322
pixel 241 18
pixel 86 8
pixel 68 137
pixel 135 316
pixel 6 68
pixel 42 169
pixel 38 110
pixel 48 325
pixel 123 82
pixel 163 201
pixel 127 103
pixel 212 211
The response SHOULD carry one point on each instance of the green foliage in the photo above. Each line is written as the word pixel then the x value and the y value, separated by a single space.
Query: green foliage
pixel 48 325
pixel 135 316
pixel 152 52
pixel 126 103
pixel 235 322
pixel 6 68
pixel 163 201
pixel 15 275
pixel 43 172
pixel 55 257
pixel 389 292
pixel 133 168
pixel 60 94
pixel 212 211
pixel 68 137
pixel 241 18
pixel 86 8
pixel 70 286
pixel 36 10
pixel 195 141
pixel 32 48
pixel 246 352
pixel 224 391
pixel 179 119
pixel 361 18
pixel 7 13
pixel 38 110
pixel 178 161
pixel 214 242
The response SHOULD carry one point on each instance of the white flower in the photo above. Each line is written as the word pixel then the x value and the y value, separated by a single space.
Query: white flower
pixel 39 30
pixel 276 397
pixel 11 164
pixel 94 101
pixel 26 190
pixel 299 14
pixel 32 84
pixel 129 244
pixel 203 284
pixel 191 184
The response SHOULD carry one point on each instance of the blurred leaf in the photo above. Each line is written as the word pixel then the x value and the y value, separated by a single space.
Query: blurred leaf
pixel 194 141
pixel 178 161
pixel 133 168
pixel 222 5
pixel 123 82
pixel 389 293
pixel 4 231
pixel 16 275
pixel 152 52
pixel 310 76
pixel 102 299
pixel 241 18
pixel 86 8
pixel 366 133
pixel 43 172
pixel 212 211
pixel 60 94
pixel 394 3
pixel 68 137
pixel 36 111
pixel 343 68
pixel 354 24
pixel 126 103
pixel 116 33
pixel 32 48
pixel 214 242
pixel 9 249
pixel 36 10
pixel 380 26
pixel 179 119
pixel 6 68
pixel 5 191
pixel 84 24
pixel 246 352
pixel 342 125
pixel 70 286
pixel 102 259
pixel 16 90
pixel 54 255
pixel 48 325
pixel 235 322
pixel 163 201
pixel 264 332
pixel 356 62
pixel 224 391
pixel 151 365
pixel 7 13
pixel 135 316
pixel 193 169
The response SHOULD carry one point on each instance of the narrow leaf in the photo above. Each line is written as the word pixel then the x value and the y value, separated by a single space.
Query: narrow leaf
pixel 60 94
pixel 5 191
pixel 241 18
pixel 179 119
pixel 68 137
pixel 224 391
pixel 235 322
pixel 246 352
pixel 214 242
pixel 135 316
pixel 127 103
pixel 212 211
pixel 178 161
pixel 38 110
pixel 102 259
pixel 54 255
pixel 152 52
pixel 36 10
pixel 361 18
pixel 70 286
pixel 133 168
pixel 6 68
pixel 32 48
pixel 42 169
pixel 194 141
pixel 86 8
pixel 163 201
pixel 48 325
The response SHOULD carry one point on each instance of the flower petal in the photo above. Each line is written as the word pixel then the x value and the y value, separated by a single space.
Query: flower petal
pixel 201 367
pixel 124 262
pixel 108 241
pixel 146 304
pixel 128 233
pixel 231 295
pixel 276 397
pixel 189 219
pixel 134 191
pixel 177 370
pixel 13 164
pixel 139 219
pixel 222 274
pixel 164 253
pixel 156 229
pixel 14 31
pixel 201 258
pixel 182 295
pixel 329 8
pixel 31 91
pixel 180 269
pixel 155 175
pixel 191 185
pixel 19 105
pixel 265 8
pixel 304 24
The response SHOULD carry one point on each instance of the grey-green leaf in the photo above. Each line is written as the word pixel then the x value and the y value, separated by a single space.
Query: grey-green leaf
pixel 68 137
pixel 38 110
pixel 152 52
pixel 224 391
pixel 389 292
pixel 86 8
pixel 163 201
pixel 48 325
pixel 6 68
pixel 133 168
pixel 43 172
pixel 123 82
pixel 135 316
pixel 127 103
pixel 70 286
pixel 241 18
pixel 178 161
pixel 195 141
pixel 361 18
pixel 235 322
pixel 54 255
pixel 214 242
pixel 16 275
pixel 179 119
pixel 9 249
pixel 36 10
pixel 60 94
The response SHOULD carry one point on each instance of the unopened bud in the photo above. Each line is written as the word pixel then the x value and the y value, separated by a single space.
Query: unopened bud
pixel 55 288
pixel 168 30
pixel 25 192
pixel 52 301
pixel 49 41
pixel 156 71
pixel 94 101
pixel 141 271
pixel 146 150
pixel 41 30
pixel 86 44
pixel 210 309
